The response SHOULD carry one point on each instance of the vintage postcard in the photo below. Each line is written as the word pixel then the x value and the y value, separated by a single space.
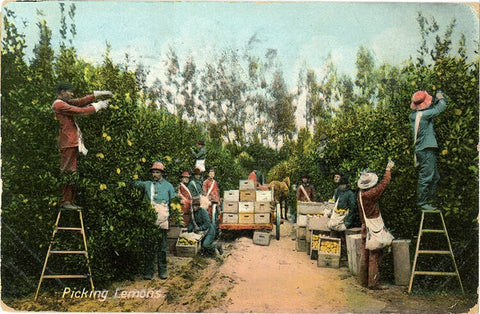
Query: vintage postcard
pixel 239 156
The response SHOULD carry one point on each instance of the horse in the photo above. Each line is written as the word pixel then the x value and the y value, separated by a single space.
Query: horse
pixel 280 194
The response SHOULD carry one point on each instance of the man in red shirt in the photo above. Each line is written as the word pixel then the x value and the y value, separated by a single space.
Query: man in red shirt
pixel 211 190
pixel 253 176
pixel 70 138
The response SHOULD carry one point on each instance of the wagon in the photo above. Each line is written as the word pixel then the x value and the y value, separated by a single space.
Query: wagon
pixel 270 217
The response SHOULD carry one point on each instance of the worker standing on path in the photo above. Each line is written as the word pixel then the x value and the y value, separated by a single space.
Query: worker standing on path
pixel 186 197
pixel 158 191
pixel 305 190
pixel 211 190
pixel 195 185
pixel 426 145
pixel 370 193
pixel 70 140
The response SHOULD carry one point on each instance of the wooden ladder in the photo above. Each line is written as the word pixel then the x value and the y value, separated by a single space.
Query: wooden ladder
pixel 419 251
pixel 66 252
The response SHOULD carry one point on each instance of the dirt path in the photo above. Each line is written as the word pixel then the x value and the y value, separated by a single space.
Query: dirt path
pixel 252 278
pixel 277 278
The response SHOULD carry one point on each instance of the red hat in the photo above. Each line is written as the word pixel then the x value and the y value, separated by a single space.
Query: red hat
pixel 421 100
pixel 185 174
pixel 157 165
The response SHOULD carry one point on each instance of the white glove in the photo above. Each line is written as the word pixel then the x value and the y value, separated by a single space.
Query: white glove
pixel 98 93
pixel 100 105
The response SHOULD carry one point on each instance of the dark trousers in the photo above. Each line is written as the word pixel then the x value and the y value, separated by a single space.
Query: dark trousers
pixel 428 176
pixel 156 253
pixel 68 166
pixel 369 269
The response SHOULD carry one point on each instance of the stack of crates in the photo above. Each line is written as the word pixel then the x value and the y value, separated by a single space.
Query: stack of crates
pixel 246 205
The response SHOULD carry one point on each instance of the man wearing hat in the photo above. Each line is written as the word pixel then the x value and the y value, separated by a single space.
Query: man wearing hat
pixel 186 197
pixel 157 191
pixel 305 191
pixel 200 222
pixel 425 143
pixel 211 190
pixel 196 184
pixel 367 201
pixel 200 155
pixel 253 176
pixel 70 140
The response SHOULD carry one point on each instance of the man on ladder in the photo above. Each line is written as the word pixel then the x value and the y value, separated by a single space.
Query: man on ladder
pixel 425 157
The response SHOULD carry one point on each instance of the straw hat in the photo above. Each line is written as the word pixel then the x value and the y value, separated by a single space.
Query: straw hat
pixel 421 100
pixel 367 180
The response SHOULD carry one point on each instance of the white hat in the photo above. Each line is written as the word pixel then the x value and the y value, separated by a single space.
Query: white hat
pixel 367 180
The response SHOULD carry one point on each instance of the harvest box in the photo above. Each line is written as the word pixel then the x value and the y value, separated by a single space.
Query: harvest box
pixel 247 196
pixel 230 207
pixel 262 207
pixel 261 238
pixel 187 250
pixel 246 218
pixel 246 207
pixel 228 218
pixel 262 218
pixel 263 196
pixel 231 195
pixel 247 185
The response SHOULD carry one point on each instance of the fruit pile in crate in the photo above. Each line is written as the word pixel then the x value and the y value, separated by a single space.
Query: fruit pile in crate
pixel 246 205
pixel 189 244
pixel 329 252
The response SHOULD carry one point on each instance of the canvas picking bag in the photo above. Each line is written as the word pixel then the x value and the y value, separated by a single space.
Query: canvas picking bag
pixel 161 210
pixel 337 219
pixel 378 235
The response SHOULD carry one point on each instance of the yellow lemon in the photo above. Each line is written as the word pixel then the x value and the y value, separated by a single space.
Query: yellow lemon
pixel 109 138
pixel 135 176
pixel 118 170
pixel 129 143
pixel 445 151
pixel 143 159
pixel 458 112
pixel 100 155
pixel 103 187
pixel 104 134
pixel 168 158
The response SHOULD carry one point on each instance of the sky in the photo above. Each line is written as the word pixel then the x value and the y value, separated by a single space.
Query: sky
pixel 303 33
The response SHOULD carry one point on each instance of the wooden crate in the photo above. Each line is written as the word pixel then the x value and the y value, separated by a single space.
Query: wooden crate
pixel 247 185
pixel 187 250
pixel 354 252
pixel 262 218
pixel 317 222
pixel 231 195
pixel 328 260
pixel 302 220
pixel 246 207
pixel 311 208
pixel 246 218
pixel 171 246
pixel 230 207
pixel 328 245
pixel 262 207
pixel 228 218
pixel 264 196
pixel 314 242
pixel 301 233
pixel 247 195
pixel 301 245
pixel 261 238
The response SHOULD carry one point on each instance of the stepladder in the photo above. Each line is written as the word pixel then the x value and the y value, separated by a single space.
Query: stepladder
pixel 67 249
pixel 434 218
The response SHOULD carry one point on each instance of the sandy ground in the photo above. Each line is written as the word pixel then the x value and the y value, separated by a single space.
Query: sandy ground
pixel 252 278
